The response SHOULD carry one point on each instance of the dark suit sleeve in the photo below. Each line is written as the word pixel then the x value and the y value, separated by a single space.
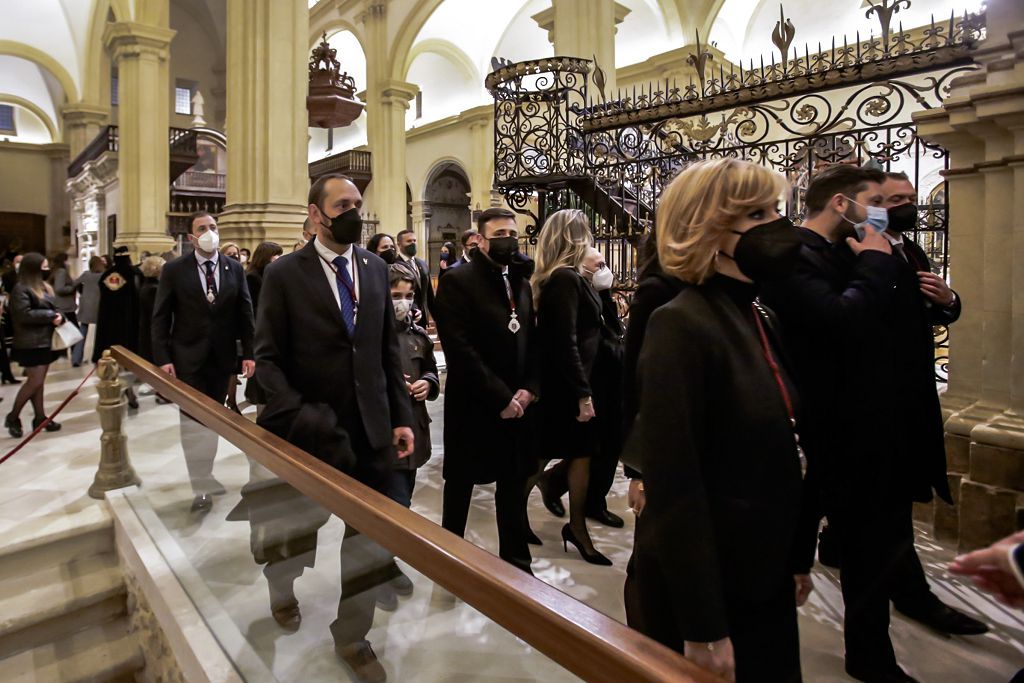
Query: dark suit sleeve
pixel 271 347
pixel 673 400
pixel 937 315
pixel 808 295
pixel 556 320
pixel 246 318
pixel 454 319
pixel 399 402
pixel 163 316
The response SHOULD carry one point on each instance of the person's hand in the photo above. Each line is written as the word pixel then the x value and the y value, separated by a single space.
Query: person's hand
pixel 419 389
pixel 636 496
pixel 586 413
pixel 719 660
pixel 990 569
pixel 58 320
pixel 872 241
pixel 248 368
pixel 417 315
pixel 512 411
pixel 804 588
pixel 169 369
pixel 403 440
pixel 935 289
pixel 524 398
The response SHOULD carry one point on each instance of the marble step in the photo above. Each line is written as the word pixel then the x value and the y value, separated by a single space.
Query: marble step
pixel 49 540
pixel 53 601
pixel 102 653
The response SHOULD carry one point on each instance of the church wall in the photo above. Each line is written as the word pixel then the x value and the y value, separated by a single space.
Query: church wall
pixel 193 58
pixel 24 178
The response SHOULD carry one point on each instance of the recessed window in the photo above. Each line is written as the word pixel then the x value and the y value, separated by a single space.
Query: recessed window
pixel 419 104
pixel 113 87
pixel 183 92
pixel 7 119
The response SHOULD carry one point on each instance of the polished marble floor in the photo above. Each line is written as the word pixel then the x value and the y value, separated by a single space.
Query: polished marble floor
pixel 432 636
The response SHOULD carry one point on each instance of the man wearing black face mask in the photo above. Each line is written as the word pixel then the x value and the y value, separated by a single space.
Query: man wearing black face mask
pixel 921 299
pixel 322 308
pixel 418 268
pixel 484 313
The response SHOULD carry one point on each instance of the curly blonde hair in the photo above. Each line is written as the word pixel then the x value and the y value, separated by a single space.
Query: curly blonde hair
pixel 701 205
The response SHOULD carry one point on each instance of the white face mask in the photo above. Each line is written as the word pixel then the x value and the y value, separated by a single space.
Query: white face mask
pixel 209 241
pixel 603 278
pixel 403 307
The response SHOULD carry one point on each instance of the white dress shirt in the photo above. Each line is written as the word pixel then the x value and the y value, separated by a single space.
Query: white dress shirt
pixel 327 257
pixel 202 269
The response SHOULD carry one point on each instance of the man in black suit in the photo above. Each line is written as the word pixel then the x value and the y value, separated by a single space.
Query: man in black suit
pixel 330 365
pixel 470 240
pixel 202 311
pixel 418 268
pixel 484 314
pixel 921 299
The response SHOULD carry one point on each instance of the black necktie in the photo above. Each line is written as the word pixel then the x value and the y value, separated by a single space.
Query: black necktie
pixel 211 280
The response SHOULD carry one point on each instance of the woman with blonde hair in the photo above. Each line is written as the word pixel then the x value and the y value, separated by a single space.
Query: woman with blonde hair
pixel 569 327
pixel 231 250
pixel 715 552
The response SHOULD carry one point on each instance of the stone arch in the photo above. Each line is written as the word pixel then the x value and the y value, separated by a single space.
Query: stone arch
pixel 96 74
pixel 35 109
pixel 407 36
pixel 446 204
pixel 332 26
pixel 16 49
pixel 446 49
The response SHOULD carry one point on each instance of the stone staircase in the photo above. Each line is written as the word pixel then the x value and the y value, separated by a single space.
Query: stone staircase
pixel 63 614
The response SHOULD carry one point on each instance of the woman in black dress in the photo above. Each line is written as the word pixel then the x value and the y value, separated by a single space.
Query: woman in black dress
pixel 35 317
pixel 569 326
pixel 714 554
pixel 266 253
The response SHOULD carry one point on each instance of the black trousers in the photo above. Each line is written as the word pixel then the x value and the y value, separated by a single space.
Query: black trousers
pixel 198 442
pixel 878 563
pixel 509 507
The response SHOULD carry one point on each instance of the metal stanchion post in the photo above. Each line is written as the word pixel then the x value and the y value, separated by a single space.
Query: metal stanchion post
pixel 115 469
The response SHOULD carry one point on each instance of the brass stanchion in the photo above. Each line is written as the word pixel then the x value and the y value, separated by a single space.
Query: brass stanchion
pixel 115 469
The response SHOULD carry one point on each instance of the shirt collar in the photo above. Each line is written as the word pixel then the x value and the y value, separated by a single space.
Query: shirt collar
pixel 329 255
pixel 405 258
pixel 898 240
pixel 202 259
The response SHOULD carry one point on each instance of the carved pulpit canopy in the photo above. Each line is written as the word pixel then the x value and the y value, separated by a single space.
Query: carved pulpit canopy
pixel 332 99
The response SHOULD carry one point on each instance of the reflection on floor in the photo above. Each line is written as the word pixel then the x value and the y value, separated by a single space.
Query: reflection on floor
pixel 431 637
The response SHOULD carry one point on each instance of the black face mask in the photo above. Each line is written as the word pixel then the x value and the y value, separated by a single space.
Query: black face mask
pixel 503 249
pixel 389 255
pixel 768 251
pixel 409 249
pixel 903 218
pixel 346 228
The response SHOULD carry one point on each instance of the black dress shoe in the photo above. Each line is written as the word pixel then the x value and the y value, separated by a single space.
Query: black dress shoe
pixel 551 502
pixel 387 598
pixel 13 425
pixel 895 675
pixel 202 503
pixel 50 427
pixel 945 619
pixel 402 585
pixel 287 616
pixel 360 658
pixel 10 380
pixel 608 519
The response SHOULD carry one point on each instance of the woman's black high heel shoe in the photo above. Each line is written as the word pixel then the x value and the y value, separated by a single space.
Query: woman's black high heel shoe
pixel 596 558
pixel 51 426
pixel 13 426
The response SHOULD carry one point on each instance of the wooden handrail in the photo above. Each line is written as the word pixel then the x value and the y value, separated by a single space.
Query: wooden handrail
pixel 588 643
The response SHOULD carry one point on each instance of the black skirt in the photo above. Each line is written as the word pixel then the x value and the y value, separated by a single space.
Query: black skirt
pixel 29 358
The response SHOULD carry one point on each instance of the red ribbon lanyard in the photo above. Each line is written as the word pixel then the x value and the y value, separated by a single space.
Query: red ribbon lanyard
pixel 773 365
pixel 351 288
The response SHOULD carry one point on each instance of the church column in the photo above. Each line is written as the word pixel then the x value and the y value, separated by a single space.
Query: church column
pixel 141 53
pixel 266 122
pixel 982 127
pixel 585 28
pixel 59 212
pixel 421 212
pixel 481 172
pixel 387 101
pixel 82 123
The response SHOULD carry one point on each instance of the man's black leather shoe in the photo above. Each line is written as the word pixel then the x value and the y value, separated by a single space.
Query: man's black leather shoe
pixel 608 519
pixel 945 619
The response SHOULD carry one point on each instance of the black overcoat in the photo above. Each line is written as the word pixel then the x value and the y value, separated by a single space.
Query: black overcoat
pixel 418 363
pixel 118 320
pixel 486 364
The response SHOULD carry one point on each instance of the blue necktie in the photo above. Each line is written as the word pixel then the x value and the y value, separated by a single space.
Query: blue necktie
pixel 345 289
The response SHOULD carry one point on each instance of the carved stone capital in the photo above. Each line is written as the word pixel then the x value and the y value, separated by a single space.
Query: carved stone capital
pixel 128 39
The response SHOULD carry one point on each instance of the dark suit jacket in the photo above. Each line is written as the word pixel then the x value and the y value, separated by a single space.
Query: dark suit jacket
pixel 487 364
pixel 424 290
pixel 721 468
pixel 194 334
pixel 308 366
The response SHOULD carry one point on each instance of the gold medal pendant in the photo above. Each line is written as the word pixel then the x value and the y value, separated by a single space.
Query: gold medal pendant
pixel 513 324
pixel 210 296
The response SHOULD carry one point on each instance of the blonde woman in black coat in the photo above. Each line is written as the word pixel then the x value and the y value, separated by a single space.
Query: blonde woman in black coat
pixel 714 557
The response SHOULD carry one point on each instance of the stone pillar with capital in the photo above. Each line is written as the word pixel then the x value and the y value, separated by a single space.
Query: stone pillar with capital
pixel 141 53
pixel 585 28
pixel 421 212
pixel 82 123
pixel 982 126
pixel 481 172
pixel 267 123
